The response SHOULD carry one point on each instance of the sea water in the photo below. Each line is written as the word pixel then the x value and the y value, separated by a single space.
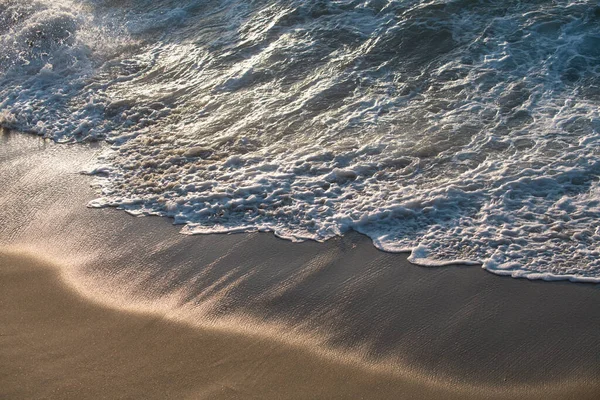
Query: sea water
pixel 460 131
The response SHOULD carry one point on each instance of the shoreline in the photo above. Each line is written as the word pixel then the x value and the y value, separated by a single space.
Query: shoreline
pixel 63 345
pixel 458 329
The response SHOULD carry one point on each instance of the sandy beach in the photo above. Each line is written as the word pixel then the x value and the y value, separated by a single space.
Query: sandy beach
pixel 100 304
pixel 58 344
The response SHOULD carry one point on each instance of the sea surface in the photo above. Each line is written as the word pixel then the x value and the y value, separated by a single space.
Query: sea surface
pixel 460 131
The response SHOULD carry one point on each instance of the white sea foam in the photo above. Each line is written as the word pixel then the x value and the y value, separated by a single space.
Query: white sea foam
pixel 459 131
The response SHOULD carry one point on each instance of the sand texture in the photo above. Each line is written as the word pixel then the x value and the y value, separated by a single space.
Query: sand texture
pixel 99 304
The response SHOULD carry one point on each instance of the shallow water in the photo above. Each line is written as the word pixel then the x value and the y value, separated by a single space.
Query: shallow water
pixel 462 131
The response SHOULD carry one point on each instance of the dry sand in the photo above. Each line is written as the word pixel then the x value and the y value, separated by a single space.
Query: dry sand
pixel 258 316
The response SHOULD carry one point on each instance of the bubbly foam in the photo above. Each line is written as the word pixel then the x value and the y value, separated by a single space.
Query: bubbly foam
pixel 460 131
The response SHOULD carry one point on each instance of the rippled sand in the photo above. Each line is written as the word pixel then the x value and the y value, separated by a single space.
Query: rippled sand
pixel 98 303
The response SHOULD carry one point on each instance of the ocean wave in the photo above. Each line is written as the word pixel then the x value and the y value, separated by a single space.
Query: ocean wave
pixel 461 131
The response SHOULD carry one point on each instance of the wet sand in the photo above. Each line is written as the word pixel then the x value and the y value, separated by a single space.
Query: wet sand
pixel 57 344
pixel 129 308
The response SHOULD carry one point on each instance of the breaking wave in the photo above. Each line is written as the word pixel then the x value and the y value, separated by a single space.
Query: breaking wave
pixel 461 131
